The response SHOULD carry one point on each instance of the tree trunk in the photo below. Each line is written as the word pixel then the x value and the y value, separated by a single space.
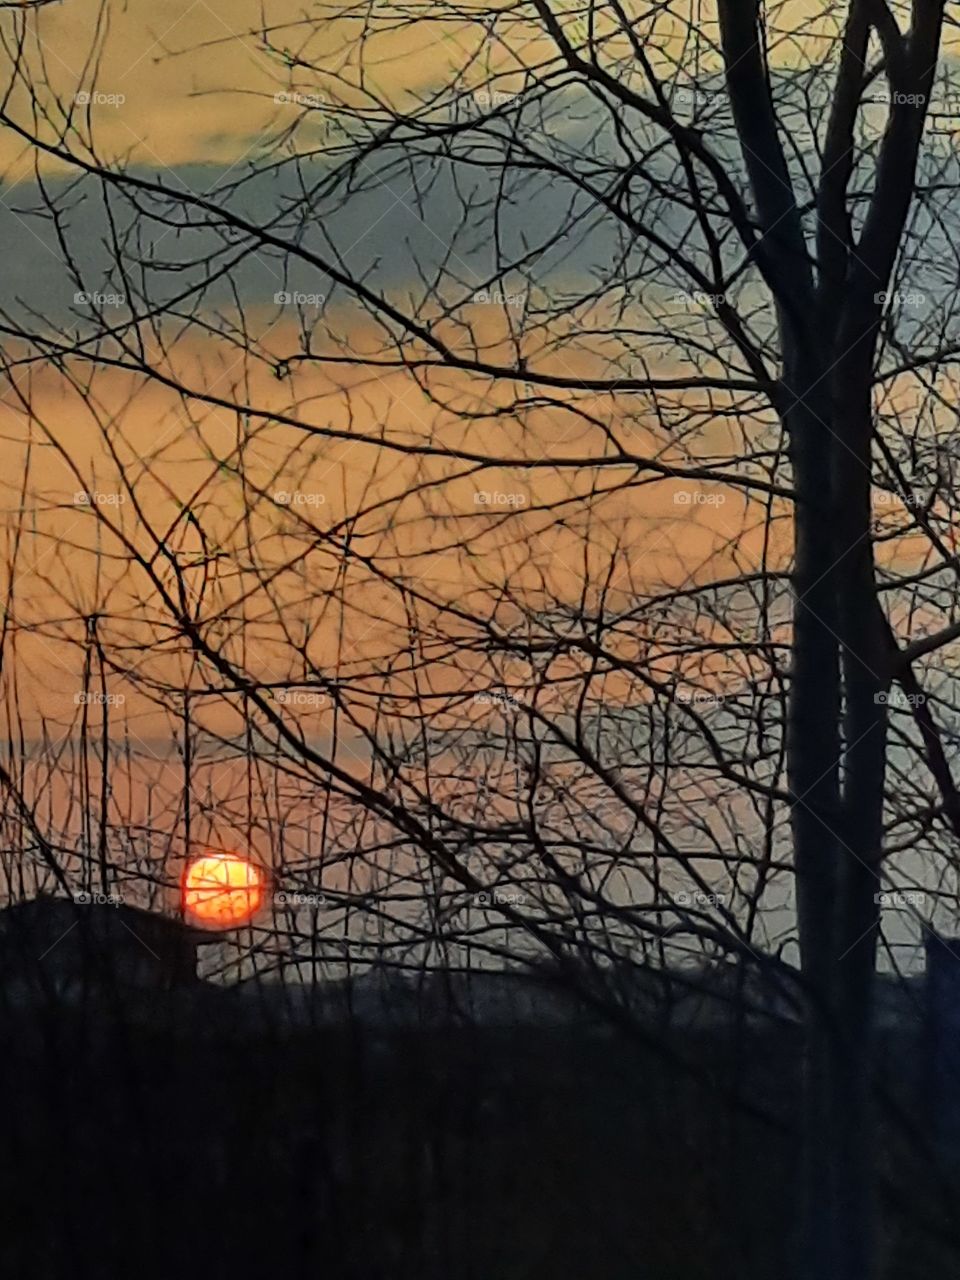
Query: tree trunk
pixel 836 731
pixel 837 752
pixel 814 775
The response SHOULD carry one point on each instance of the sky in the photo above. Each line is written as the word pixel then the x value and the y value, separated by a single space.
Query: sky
pixel 188 95
pixel 192 94
pixel 200 95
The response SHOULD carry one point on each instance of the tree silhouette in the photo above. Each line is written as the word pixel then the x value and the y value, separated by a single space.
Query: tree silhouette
pixel 539 532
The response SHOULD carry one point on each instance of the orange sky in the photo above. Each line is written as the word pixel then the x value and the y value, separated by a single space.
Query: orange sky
pixel 198 79
pixel 197 87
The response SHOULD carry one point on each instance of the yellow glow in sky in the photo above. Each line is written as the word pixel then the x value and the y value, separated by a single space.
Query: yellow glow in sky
pixel 223 889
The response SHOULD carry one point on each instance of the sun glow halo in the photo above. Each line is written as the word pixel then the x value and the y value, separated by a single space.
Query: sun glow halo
pixel 223 889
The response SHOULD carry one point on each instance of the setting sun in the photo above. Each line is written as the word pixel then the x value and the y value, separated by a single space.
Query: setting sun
pixel 223 889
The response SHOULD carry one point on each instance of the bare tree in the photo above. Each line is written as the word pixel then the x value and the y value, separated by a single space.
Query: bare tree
pixel 523 587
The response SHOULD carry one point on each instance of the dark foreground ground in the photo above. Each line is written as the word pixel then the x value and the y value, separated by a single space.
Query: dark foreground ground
pixel 458 1154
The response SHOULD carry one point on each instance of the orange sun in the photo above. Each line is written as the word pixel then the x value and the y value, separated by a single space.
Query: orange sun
pixel 223 889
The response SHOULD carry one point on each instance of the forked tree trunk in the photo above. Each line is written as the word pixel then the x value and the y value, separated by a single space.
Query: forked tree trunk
pixel 828 317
